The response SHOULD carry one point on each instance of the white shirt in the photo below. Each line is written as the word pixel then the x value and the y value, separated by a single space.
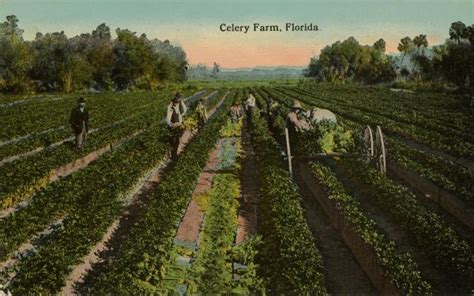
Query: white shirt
pixel 250 102
pixel 177 109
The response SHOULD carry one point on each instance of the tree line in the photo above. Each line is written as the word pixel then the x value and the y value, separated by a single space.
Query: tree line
pixel 451 62
pixel 53 62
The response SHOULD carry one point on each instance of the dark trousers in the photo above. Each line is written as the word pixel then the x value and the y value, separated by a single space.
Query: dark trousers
pixel 249 113
pixel 174 142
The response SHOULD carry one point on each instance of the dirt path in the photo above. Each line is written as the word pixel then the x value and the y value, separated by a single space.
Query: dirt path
pixel 190 226
pixel 247 220
pixel 344 276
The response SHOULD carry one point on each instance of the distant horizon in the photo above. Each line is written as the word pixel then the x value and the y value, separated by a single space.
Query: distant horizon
pixel 196 25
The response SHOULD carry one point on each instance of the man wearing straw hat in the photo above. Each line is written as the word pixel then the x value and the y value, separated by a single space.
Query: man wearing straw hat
pixel 174 119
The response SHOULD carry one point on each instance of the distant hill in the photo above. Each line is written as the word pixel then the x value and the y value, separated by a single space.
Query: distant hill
pixel 256 73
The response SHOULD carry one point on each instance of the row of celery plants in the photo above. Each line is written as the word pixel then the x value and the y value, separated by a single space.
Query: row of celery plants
pixel 21 178
pixel 46 270
pixel 288 260
pixel 100 119
pixel 139 264
pixel 448 251
pixel 400 268
pixel 53 200
pixel 428 137
pixel 212 269
pixel 444 173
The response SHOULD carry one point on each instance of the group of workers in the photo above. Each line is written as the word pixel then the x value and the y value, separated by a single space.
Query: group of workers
pixel 297 119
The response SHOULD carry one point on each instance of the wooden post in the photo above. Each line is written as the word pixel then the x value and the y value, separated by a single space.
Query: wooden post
pixel 288 151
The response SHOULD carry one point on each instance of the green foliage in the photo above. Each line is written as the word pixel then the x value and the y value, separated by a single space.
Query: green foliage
pixel 160 217
pixel 400 267
pixel 231 129
pixel 349 60
pixel 15 58
pixel 431 233
pixel 212 270
pixel 325 137
pixel 288 260
pixel 416 117
pixel 58 63
pixel 20 178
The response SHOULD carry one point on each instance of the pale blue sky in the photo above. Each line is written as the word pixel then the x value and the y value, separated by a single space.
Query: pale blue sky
pixel 195 24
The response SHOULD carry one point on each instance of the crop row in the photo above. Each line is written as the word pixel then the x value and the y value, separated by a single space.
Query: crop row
pixel 433 139
pixel 288 259
pixel 400 267
pixel 137 267
pixel 57 198
pixel 416 108
pixel 21 178
pixel 444 173
pixel 213 266
pixel 429 231
pixel 91 211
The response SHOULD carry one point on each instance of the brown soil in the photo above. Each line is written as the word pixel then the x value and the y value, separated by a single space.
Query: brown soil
pixel 190 226
pixel 247 220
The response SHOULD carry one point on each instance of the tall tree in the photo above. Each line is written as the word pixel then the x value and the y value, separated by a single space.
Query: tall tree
pixel 380 45
pixel 15 57
pixel 458 31
pixel 420 42
pixel 404 47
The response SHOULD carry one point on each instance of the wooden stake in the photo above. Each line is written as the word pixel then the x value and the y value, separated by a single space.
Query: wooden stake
pixel 288 151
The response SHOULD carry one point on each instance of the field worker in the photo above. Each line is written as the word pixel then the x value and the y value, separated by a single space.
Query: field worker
pixel 174 119
pixel 201 113
pixel 235 112
pixel 295 119
pixel 269 105
pixel 273 113
pixel 79 121
pixel 250 106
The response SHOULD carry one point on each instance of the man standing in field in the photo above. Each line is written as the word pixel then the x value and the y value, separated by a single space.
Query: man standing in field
pixel 201 113
pixel 174 119
pixel 249 107
pixel 79 121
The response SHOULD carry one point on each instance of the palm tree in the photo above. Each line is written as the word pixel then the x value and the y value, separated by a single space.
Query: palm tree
pixel 420 42
pixel 457 31
pixel 404 47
